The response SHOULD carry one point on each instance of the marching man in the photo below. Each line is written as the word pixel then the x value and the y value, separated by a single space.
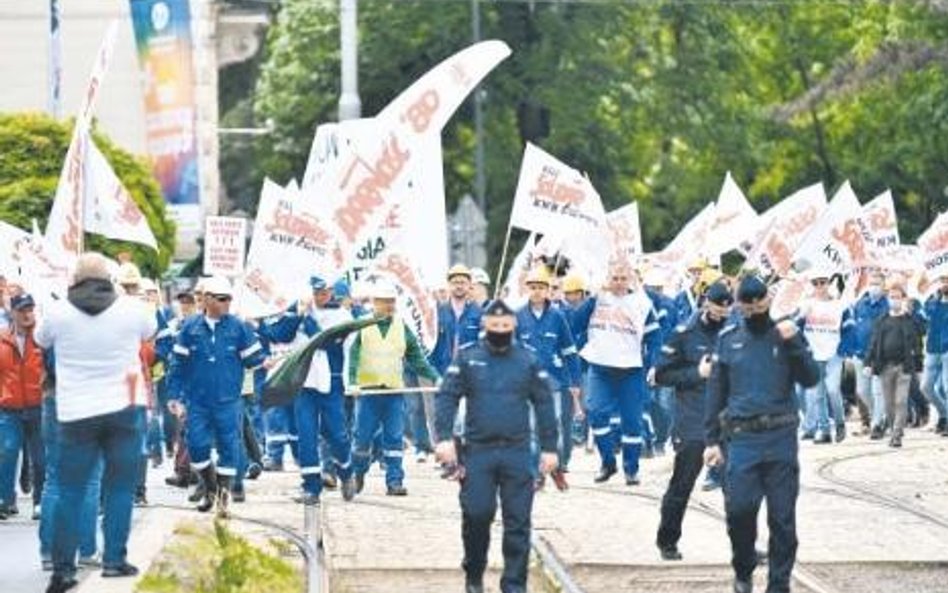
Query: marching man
pixel 377 360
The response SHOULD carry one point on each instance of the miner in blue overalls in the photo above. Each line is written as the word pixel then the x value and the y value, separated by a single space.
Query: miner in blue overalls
pixel 545 330
pixel 459 319
pixel 501 381
pixel 751 404
pixel 378 359
pixel 319 405
pixel 209 357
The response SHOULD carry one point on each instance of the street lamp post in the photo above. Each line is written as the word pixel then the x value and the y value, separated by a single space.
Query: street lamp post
pixel 350 106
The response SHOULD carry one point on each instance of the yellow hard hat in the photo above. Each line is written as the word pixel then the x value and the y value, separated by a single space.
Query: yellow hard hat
pixel 538 276
pixel 699 263
pixel 708 277
pixel 573 284
pixel 459 270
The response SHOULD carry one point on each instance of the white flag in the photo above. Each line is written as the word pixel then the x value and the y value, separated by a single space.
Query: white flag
pixel 11 238
pixel 291 242
pixel 514 287
pixel 553 198
pixel 788 223
pixel 416 304
pixel 934 246
pixel 379 175
pixel 689 243
pixel 734 219
pixel 625 231
pixel 836 241
pixel 64 228
pixel 879 226
pixel 108 208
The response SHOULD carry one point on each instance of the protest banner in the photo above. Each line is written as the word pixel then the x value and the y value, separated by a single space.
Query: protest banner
pixel 788 223
pixel 835 242
pixel 734 220
pixel 625 231
pixel 934 246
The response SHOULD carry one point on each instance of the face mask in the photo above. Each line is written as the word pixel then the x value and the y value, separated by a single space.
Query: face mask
pixel 499 340
pixel 758 322
pixel 712 321
pixel 875 292
pixel 895 305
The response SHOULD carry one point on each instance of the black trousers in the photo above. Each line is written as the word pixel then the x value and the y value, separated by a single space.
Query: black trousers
pixel 493 471
pixel 689 459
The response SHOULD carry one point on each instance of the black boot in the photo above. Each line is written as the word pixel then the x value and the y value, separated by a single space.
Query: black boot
pixel 942 426
pixel 223 496
pixel 210 485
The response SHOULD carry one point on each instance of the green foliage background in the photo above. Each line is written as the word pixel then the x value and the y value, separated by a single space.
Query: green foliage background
pixel 32 150
pixel 655 100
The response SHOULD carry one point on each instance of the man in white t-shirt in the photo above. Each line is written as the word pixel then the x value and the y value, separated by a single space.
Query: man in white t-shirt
pixel 96 335
pixel 623 342
pixel 821 318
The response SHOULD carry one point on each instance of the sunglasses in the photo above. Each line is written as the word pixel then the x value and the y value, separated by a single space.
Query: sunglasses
pixel 819 281
pixel 221 298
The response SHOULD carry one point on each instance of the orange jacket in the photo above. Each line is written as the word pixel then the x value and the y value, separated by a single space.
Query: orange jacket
pixel 21 377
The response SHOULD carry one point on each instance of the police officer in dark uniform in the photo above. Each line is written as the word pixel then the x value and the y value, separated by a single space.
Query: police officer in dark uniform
pixel 751 403
pixel 501 380
pixel 685 365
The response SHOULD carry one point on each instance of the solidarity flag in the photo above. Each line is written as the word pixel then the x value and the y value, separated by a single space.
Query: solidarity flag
pixel 689 243
pixel 109 209
pixel 625 232
pixel 64 227
pixel 934 246
pixel 836 241
pixel 555 199
pixel 879 226
pixel 291 241
pixel 786 225
pixel 734 219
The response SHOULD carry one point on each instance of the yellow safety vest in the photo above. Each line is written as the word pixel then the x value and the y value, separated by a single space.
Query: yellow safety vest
pixel 381 358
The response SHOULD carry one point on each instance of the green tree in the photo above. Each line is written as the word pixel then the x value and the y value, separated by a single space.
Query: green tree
pixel 655 101
pixel 32 149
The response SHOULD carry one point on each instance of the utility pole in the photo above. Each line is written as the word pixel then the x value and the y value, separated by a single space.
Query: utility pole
pixel 480 181
pixel 350 106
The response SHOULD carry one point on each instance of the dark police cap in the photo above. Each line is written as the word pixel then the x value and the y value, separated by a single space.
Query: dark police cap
pixel 719 294
pixel 497 308
pixel 751 289
pixel 21 301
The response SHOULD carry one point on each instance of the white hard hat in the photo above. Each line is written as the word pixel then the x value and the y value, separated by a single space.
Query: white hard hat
pixel 480 276
pixel 382 289
pixel 128 274
pixel 218 285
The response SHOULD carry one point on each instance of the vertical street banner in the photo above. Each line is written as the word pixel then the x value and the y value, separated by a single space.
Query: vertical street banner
pixel 224 245
pixel 163 42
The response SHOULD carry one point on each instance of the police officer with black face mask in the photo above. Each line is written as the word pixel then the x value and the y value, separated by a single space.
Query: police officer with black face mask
pixel 685 365
pixel 751 404
pixel 501 380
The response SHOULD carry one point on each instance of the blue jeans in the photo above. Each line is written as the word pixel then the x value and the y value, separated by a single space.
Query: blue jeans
pixel 117 439
pixel 89 510
pixel 389 411
pixel 321 414
pixel 16 428
pixel 623 390
pixel 869 391
pixel 935 386
pixel 823 397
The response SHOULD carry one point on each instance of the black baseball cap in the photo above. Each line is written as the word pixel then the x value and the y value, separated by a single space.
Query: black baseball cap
pixel 498 308
pixel 22 301
pixel 719 294
pixel 751 289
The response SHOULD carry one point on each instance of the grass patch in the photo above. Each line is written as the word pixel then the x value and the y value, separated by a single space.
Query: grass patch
pixel 219 561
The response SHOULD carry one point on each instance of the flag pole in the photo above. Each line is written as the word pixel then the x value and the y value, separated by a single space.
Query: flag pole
pixel 503 260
